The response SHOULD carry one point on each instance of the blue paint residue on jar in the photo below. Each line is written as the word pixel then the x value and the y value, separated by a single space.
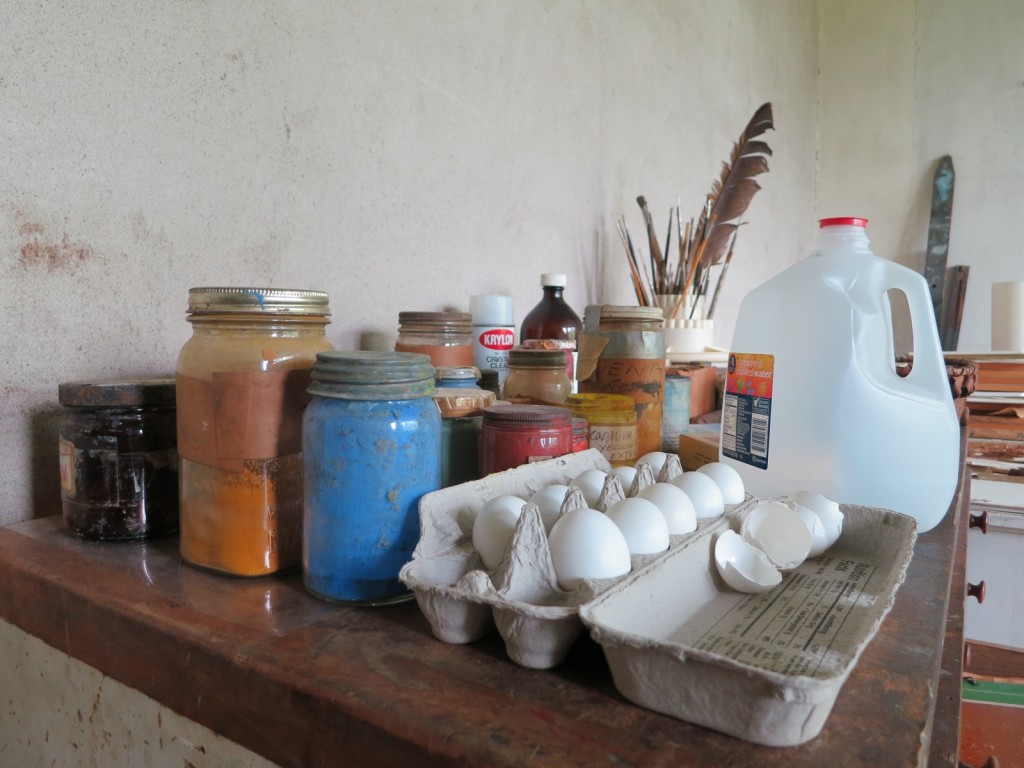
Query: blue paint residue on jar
pixel 371 450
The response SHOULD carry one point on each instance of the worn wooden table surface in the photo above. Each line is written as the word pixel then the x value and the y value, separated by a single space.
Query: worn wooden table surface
pixel 305 683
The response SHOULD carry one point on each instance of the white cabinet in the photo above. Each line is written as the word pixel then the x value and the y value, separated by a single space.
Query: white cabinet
pixel 997 558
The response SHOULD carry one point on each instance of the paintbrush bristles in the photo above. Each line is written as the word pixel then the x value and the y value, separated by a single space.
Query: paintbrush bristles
pixel 709 242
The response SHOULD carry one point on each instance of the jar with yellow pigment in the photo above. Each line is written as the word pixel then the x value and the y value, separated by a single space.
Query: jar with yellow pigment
pixel 622 352
pixel 242 382
pixel 612 425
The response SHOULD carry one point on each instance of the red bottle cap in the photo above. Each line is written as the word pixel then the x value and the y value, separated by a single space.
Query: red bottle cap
pixel 843 221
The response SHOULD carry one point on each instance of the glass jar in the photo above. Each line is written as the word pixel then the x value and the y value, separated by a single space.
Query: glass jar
pixel 461 420
pixel 536 377
pixel 118 459
pixel 457 377
pixel 512 435
pixel 446 337
pixel 580 434
pixel 242 379
pixel 622 352
pixel 371 438
pixel 612 421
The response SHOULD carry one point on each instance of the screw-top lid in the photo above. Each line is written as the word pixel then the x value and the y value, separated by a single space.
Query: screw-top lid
pixel 631 312
pixel 458 322
pixel 277 301
pixel 537 415
pixel 110 393
pixel 536 358
pixel 491 309
pixel 552 280
pixel 372 375
pixel 843 221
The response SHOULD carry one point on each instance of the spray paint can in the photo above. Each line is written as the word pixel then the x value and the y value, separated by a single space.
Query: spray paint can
pixel 494 332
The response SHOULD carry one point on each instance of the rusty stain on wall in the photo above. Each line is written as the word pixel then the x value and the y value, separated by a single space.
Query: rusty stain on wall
pixel 40 250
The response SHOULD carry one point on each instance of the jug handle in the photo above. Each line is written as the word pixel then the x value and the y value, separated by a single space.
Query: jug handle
pixel 929 362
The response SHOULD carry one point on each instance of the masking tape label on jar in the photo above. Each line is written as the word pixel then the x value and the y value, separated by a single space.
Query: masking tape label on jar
pixel 67 468
pixel 233 417
pixel 747 408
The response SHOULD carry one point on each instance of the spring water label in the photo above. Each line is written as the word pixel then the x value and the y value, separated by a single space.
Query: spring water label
pixel 747 408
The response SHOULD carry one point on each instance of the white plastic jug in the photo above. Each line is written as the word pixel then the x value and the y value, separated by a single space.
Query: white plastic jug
pixel 813 400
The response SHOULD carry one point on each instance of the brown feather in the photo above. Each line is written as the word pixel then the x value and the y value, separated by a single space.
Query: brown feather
pixel 731 194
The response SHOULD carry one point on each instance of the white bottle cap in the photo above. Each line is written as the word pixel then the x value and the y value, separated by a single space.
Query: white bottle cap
pixel 552 280
pixel 491 309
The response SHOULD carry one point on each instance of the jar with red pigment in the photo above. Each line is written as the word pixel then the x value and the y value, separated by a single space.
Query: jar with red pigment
pixel 512 435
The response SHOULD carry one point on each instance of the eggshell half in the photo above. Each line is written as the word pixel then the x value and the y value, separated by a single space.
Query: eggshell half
pixel 779 532
pixel 743 566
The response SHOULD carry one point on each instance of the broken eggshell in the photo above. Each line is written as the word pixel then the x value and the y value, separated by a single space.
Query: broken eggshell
pixel 825 509
pixel 779 532
pixel 743 566
pixel 819 539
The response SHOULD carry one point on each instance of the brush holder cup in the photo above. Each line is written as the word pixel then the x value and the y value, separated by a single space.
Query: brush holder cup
pixel 687 332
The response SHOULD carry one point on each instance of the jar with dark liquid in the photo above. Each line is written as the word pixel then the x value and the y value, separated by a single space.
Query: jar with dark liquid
pixel 118 459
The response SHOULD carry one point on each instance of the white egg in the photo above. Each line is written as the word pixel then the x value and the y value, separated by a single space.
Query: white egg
pixel 827 511
pixel 703 492
pixel 674 505
pixel 643 525
pixel 626 476
pixel 549 500
pixel 586 544
pixel 655 458
pixel 590 482
pixel 744 567
pixel 493 528
pixel 779 532
pixel 728 480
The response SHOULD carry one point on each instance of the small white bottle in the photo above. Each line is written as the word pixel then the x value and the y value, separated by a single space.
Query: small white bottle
pixel 494 332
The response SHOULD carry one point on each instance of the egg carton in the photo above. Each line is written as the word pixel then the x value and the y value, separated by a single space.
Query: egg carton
pixel 766 668
pixel 463 602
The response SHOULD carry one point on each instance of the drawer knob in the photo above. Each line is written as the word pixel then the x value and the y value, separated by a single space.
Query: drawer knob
pixel 979 521
pixel 977 591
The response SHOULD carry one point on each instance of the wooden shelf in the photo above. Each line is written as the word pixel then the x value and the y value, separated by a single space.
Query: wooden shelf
pixel 304 682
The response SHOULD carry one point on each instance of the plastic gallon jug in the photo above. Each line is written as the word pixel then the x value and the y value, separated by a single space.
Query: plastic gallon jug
pixel 812 398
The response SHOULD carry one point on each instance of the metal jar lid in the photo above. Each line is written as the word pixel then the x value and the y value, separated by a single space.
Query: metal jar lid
pixel 275 301
pixel 454 321
pixel 631 314
pixel 536 358
pixel 529 415
pixel 117 393
pixel 372 375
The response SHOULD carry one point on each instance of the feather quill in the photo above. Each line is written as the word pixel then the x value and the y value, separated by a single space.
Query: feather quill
pixel 730 196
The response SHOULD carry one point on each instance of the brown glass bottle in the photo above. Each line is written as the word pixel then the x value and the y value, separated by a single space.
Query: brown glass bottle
pixel 553 324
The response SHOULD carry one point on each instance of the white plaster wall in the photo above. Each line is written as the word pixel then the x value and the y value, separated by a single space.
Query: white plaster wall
pixel 398 154
pixel 57 712
pixel 903 84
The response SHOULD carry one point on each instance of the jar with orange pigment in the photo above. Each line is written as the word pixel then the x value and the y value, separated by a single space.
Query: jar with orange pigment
pixel 242 382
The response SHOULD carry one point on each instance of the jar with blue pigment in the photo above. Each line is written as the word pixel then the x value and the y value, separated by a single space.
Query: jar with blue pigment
pixel 371 448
